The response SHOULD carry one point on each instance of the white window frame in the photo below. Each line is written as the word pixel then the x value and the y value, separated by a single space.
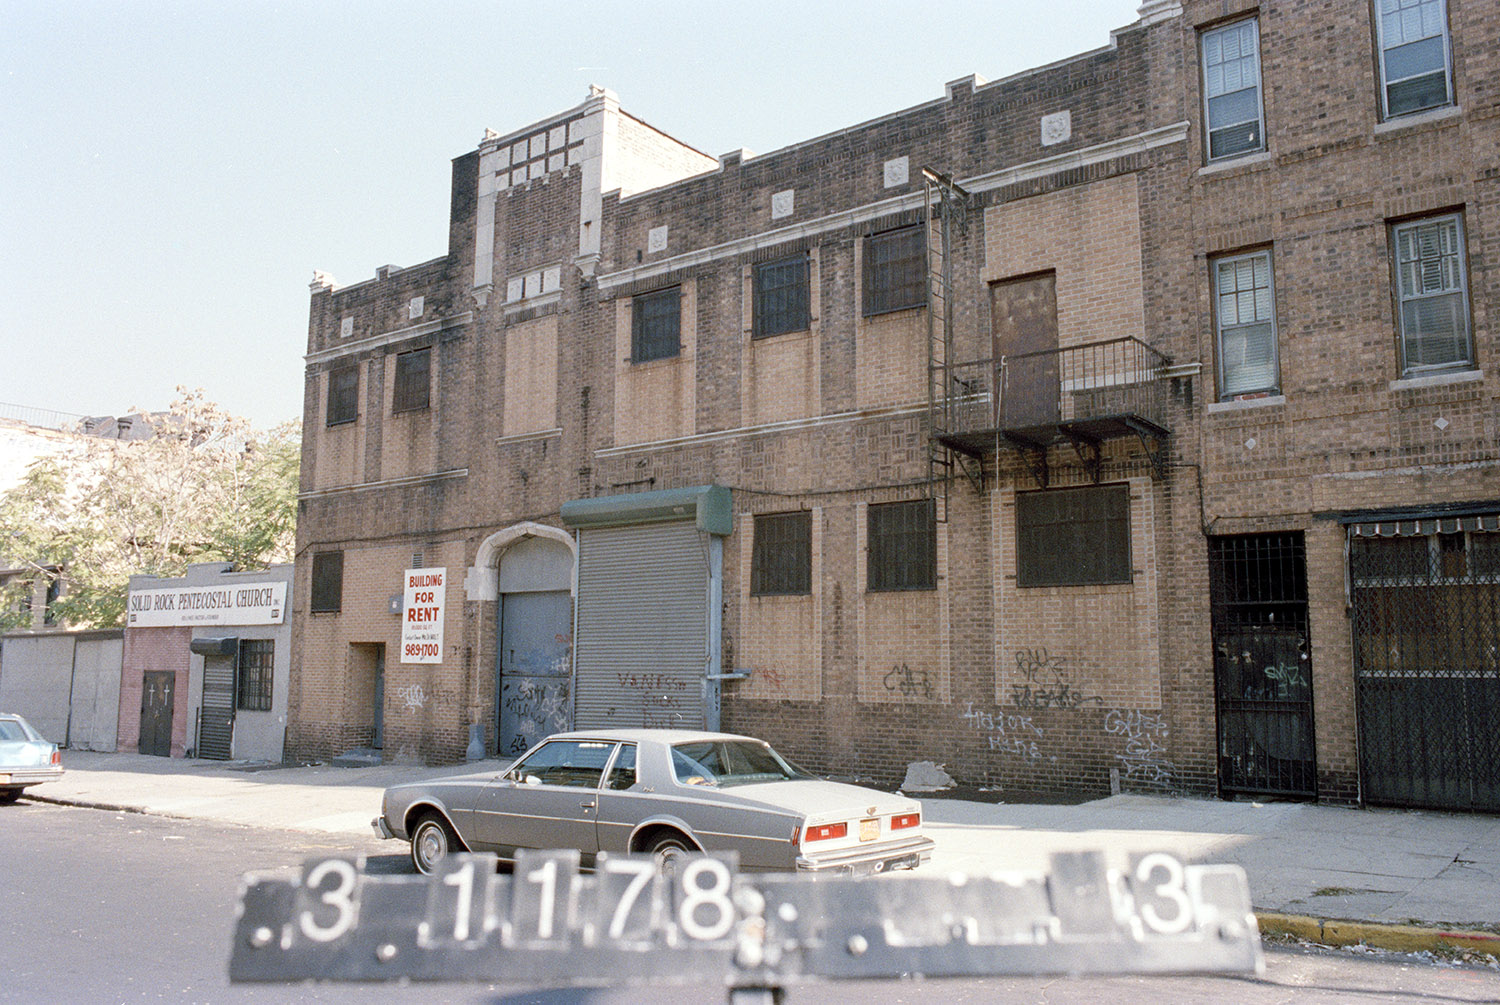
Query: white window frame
pixel 1205 44
pixel 1228 389
pixel 1384 11
pixel 1464 359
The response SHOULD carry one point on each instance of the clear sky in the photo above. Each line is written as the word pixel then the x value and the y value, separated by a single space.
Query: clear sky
pixel 171 173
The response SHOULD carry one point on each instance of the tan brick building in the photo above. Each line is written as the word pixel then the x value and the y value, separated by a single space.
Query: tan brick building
pixel 1130 421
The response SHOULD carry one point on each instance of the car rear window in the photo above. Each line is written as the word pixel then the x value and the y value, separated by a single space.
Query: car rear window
pixel 11 730
pixel 729 762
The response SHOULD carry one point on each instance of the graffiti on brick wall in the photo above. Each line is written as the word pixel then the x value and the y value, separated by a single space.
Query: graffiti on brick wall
pixel 909 683
pixel 1045 685
pixel 1009 734
pixel 411 697
pixel 415 698
pixel 1144 759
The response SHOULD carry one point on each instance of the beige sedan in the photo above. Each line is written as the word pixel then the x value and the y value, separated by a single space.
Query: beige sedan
pixel 663 792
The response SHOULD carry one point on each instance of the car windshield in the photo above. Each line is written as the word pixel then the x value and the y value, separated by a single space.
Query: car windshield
pixel 730 762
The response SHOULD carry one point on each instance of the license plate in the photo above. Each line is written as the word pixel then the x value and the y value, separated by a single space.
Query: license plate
pixel 869 830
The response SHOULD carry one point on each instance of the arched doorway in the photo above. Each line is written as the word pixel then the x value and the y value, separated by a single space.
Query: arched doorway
pixel 533 588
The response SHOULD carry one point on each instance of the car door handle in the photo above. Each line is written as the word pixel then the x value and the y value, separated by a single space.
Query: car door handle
pixel 587 804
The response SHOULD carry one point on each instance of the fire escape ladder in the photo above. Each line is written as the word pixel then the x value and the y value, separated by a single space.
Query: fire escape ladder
pixel 944 204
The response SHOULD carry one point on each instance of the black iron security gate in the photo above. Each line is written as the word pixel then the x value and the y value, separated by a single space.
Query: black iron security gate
pixel 1426 625
pixel 1262 664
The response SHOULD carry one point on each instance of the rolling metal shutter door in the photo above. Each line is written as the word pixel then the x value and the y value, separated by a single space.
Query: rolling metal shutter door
pixel 216 724
pixel 641 650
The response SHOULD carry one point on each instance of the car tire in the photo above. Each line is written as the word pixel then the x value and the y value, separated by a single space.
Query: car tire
pixel 432 840
pixel 9 796
pixel 668 848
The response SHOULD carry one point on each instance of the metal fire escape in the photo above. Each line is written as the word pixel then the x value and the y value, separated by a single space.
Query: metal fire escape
pixel 1078 395
pixel 944 204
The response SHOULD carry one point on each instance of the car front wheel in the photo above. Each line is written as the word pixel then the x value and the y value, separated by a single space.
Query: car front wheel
pixel 432 840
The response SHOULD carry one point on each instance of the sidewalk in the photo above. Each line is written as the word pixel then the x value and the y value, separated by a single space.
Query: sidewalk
pixel 1397 879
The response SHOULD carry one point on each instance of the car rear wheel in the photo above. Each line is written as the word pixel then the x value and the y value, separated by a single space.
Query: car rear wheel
pixel 432 840
pixel 668 847
pixel 9 796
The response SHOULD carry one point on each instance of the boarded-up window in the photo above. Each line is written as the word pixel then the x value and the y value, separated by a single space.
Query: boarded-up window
pixel 413 390
pixel 894 271
pixel 328 581
pixel 903 546
pixel 655 325
pixel 781 298
pixel 1073 537
pixel 343 394
pixel 782 560
pixel 257 662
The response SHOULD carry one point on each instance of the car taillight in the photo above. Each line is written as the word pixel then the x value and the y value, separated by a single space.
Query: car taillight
pixel 824 832
pixel 906 820
pixel 57 757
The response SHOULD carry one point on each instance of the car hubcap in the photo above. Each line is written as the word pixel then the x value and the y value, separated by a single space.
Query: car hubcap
pixel 669 859
pixel 431 846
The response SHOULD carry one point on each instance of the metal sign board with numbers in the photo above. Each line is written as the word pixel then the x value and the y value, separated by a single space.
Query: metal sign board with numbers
pixel 629 922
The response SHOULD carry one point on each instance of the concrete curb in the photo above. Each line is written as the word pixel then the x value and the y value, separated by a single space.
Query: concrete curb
pixel 85 804
pixel 1397 938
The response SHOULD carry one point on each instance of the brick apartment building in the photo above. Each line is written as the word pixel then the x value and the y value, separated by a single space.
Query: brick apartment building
pixel 1129 421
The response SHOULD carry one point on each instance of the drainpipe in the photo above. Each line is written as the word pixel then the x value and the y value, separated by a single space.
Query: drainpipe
pixel 72 678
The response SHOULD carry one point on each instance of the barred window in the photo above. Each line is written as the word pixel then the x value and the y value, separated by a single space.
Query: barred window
pixel 1245 312
pixel 328 581
pixel 1073 537
pixel 413 391
pixel 903 546
pixel 343 394
pixel 782 555
pixel 1414 57
pixel 1231 90
pixel 781 296
pixel 1431 286
pixel 257 659
pixel 895 267
pixel 655 325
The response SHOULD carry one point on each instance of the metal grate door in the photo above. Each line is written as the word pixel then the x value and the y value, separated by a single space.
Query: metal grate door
pixel 1426 625
pixel 1262 664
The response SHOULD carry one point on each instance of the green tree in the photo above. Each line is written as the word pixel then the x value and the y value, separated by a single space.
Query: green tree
pixel 205 487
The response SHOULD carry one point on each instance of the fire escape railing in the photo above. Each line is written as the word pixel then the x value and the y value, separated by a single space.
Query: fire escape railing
pixel 1080 395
